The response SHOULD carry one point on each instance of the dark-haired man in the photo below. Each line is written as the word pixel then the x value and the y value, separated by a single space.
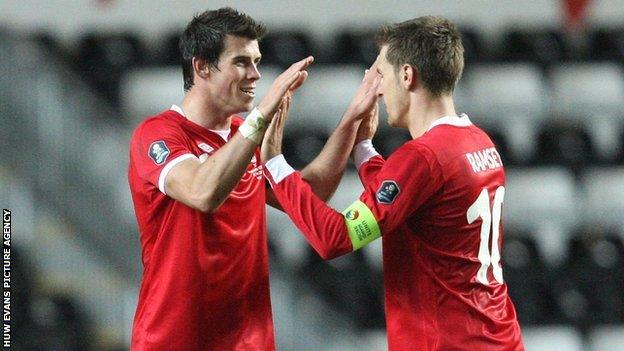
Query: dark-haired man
pixel 436 200
pixel 199 194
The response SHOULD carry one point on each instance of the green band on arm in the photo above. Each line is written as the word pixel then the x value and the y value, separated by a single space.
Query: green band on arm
pixel 362 225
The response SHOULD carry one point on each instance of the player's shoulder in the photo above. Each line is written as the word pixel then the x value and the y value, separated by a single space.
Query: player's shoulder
pixel 447 136
pixel 417 144
pixel 164 120
pixel 468 144
pixel 440 131
pixel 452 138
pixel 414 149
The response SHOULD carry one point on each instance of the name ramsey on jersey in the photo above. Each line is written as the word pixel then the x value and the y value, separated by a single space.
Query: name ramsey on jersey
pixel 485 159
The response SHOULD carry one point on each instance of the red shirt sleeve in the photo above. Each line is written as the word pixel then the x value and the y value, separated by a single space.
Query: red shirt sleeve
pixel 155 148
pixel 400 187
pixel 409 177
pixel 323 227
pixel 369 169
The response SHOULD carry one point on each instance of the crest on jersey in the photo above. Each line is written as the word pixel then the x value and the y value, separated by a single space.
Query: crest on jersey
pixel 159 152
pixel 387 192
pixel 205 147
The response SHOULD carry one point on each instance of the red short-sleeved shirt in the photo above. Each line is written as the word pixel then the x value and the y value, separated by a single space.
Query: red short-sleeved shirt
pixel 206 278
pixel 438 202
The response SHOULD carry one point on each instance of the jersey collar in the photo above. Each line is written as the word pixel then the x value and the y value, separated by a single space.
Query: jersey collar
pixel 177 109
pixel 224 134
pixel 457 121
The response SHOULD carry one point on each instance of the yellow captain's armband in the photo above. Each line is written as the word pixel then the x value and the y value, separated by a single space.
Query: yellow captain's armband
pixel 362 225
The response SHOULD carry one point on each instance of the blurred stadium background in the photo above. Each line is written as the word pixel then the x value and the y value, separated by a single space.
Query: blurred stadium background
pixel 545 78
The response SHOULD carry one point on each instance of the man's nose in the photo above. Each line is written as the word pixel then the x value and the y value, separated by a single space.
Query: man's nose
pixel 254 73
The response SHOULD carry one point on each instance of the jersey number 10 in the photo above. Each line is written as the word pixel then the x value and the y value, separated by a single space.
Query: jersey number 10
pixel 490 222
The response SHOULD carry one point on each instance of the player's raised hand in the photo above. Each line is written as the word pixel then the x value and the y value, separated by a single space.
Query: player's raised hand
pixel 368 127
pixel 289 80
pixel 272 143
pixel 302 78
pixel 365 98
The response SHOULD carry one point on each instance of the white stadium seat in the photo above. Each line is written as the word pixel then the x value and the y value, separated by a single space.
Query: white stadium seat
pixel 587 88
pixel 321 102
pixel 147 91
pixel 509 97
pixel 507 90
pixel 605 196
pixel 607 338
pixel 290 244
pixel 552 338
pixel 375 340
pixel 543 201
pixel 591 94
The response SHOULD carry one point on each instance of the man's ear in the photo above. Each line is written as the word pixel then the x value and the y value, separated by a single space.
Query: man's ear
pixel 409 76
pixel 201 68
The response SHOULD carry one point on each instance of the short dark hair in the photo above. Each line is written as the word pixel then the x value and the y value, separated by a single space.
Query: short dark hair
pixel 204 37
pixel 432 45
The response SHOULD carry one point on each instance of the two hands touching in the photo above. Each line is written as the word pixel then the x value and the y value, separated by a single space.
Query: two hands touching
pixel 287 82
pixel 363 111
pixel 365 105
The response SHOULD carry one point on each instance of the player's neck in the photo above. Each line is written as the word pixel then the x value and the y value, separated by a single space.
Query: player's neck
pixel 424 110
pixel 201 111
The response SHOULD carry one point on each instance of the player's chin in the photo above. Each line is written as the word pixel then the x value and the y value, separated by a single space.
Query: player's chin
pixel 248 105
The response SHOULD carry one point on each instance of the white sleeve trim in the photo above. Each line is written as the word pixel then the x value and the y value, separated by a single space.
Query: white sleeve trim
pixel 168 167
pixel 363 151
pixel 279 168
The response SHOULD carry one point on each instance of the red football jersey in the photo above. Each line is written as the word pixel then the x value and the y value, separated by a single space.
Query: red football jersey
pixel 437 201
pixel 206 276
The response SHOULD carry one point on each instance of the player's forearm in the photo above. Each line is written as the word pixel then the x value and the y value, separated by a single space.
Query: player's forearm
pixel 215 178
pixel 323 227
pixel 325 171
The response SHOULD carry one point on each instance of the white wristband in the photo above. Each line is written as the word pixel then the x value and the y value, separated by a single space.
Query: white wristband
pixel 254 126
pixel 279 168
pixel 363 152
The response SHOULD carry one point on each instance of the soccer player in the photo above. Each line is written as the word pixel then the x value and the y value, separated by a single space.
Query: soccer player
pixel 199 194
pixel 436 202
